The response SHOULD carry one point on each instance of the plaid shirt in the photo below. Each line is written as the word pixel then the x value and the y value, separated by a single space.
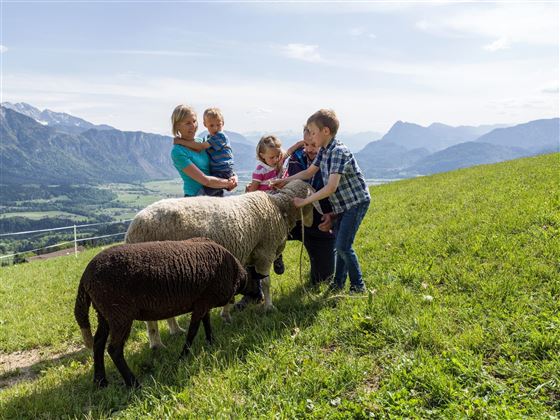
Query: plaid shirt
pixel 352 190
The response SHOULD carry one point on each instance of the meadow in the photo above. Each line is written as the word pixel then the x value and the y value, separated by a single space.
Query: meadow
pixel 462 319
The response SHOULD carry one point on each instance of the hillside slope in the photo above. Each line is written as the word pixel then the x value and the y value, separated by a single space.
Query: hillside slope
pixel 462 320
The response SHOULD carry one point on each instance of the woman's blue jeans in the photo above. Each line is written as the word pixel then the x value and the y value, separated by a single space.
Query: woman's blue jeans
pixel 347 263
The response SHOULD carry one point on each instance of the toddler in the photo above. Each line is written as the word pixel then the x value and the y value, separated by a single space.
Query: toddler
pixel 217 146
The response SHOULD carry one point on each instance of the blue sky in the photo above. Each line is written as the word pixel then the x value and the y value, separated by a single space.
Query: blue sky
pixel 269 65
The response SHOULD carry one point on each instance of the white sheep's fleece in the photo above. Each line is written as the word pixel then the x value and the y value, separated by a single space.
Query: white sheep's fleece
pixel 252 226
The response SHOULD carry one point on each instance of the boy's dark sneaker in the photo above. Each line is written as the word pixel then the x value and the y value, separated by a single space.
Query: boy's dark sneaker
pixel 331 289
pixel 357 290
pixel 279 265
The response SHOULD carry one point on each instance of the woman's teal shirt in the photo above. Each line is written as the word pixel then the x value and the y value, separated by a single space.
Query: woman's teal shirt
pixel 183 157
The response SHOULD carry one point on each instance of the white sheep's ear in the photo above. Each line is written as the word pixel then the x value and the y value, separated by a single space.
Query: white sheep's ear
pixel 307 215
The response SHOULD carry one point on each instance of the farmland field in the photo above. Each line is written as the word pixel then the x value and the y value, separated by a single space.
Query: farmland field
pixel 462 319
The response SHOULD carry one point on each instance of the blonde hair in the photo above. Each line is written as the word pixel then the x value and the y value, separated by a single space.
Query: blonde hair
pixel 268 142
pixel 213 113
pixel 179 114
pixel 325 118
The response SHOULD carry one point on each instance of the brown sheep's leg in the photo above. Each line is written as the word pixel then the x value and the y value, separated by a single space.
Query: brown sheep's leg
pixel 208 328
pixel 196 317
pixel 99 342
pixel 174 327
pixel 153 335
pixel 119 334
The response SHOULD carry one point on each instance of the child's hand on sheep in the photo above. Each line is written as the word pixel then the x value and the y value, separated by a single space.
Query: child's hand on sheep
pixel 299 202
pixel 278 183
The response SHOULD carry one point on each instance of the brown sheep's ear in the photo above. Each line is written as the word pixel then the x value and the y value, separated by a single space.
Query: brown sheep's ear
pixel 307 215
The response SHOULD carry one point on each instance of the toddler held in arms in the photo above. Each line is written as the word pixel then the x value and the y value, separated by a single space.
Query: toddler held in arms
pixel 217 146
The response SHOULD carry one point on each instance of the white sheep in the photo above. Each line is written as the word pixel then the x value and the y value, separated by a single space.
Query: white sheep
pixel 253 227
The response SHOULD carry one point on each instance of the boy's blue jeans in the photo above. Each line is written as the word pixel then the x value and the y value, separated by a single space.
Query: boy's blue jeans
pixel 347 263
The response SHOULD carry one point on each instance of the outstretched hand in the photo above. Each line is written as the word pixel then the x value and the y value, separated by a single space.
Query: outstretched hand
pixel 278 183
pixel 299 202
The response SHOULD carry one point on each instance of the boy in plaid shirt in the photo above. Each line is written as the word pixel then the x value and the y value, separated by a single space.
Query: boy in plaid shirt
pixel 346 188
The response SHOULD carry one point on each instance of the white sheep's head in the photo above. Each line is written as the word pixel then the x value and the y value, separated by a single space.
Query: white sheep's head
pixel 284 199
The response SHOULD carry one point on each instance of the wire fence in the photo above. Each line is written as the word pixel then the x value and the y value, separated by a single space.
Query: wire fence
pixel 75 241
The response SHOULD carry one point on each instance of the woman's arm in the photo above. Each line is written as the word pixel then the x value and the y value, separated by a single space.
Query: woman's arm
pixel 332 185
pixel 191 144
pixel 208 181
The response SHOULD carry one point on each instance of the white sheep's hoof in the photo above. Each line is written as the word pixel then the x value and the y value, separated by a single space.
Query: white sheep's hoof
pixel 269 308
pixel 177 331
pixel 157 346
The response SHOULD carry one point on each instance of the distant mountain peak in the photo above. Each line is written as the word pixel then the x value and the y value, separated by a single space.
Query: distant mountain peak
pixel 60 120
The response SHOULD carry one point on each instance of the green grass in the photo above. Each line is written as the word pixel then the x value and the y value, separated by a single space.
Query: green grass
pixel 463 320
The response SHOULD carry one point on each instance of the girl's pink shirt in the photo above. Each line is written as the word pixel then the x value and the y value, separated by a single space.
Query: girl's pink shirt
pixel 264 173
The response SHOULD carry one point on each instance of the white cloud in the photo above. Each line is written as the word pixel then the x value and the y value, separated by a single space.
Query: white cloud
pixel 303 52
pixel 135 102
pixel 3 49
pixel 361 31
pixel 499 44
pixel 552 88
pixel 258 112
pixel 168 53
pixel 532 23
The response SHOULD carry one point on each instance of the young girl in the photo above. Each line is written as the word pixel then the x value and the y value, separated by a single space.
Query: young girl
pixel 271 158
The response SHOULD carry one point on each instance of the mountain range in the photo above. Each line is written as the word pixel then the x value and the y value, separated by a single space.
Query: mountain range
pixel 410 150
pixel 47 147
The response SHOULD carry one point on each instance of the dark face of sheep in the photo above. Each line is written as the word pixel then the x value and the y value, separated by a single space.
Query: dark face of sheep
pixel 252 287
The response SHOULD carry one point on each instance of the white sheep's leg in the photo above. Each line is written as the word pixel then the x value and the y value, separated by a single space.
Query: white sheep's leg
pixel 174 327
pixel 226 312
pixel 268 306
pixel 153 335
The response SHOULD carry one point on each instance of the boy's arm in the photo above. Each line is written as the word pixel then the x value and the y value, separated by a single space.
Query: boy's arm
pixel 191 144
pixel 327 190
pixel 305 175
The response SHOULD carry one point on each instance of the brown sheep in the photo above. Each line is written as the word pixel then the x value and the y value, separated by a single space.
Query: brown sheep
pixel 151 281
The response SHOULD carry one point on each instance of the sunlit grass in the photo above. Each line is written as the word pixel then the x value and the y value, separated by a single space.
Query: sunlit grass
pixel 462 320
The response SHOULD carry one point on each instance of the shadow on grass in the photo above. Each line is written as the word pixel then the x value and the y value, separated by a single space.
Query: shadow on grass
pixel 69 390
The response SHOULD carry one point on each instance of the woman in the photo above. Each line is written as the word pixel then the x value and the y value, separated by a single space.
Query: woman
pixel 194 167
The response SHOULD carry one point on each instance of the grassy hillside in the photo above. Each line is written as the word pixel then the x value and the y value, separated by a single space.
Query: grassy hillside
pixel 462 320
